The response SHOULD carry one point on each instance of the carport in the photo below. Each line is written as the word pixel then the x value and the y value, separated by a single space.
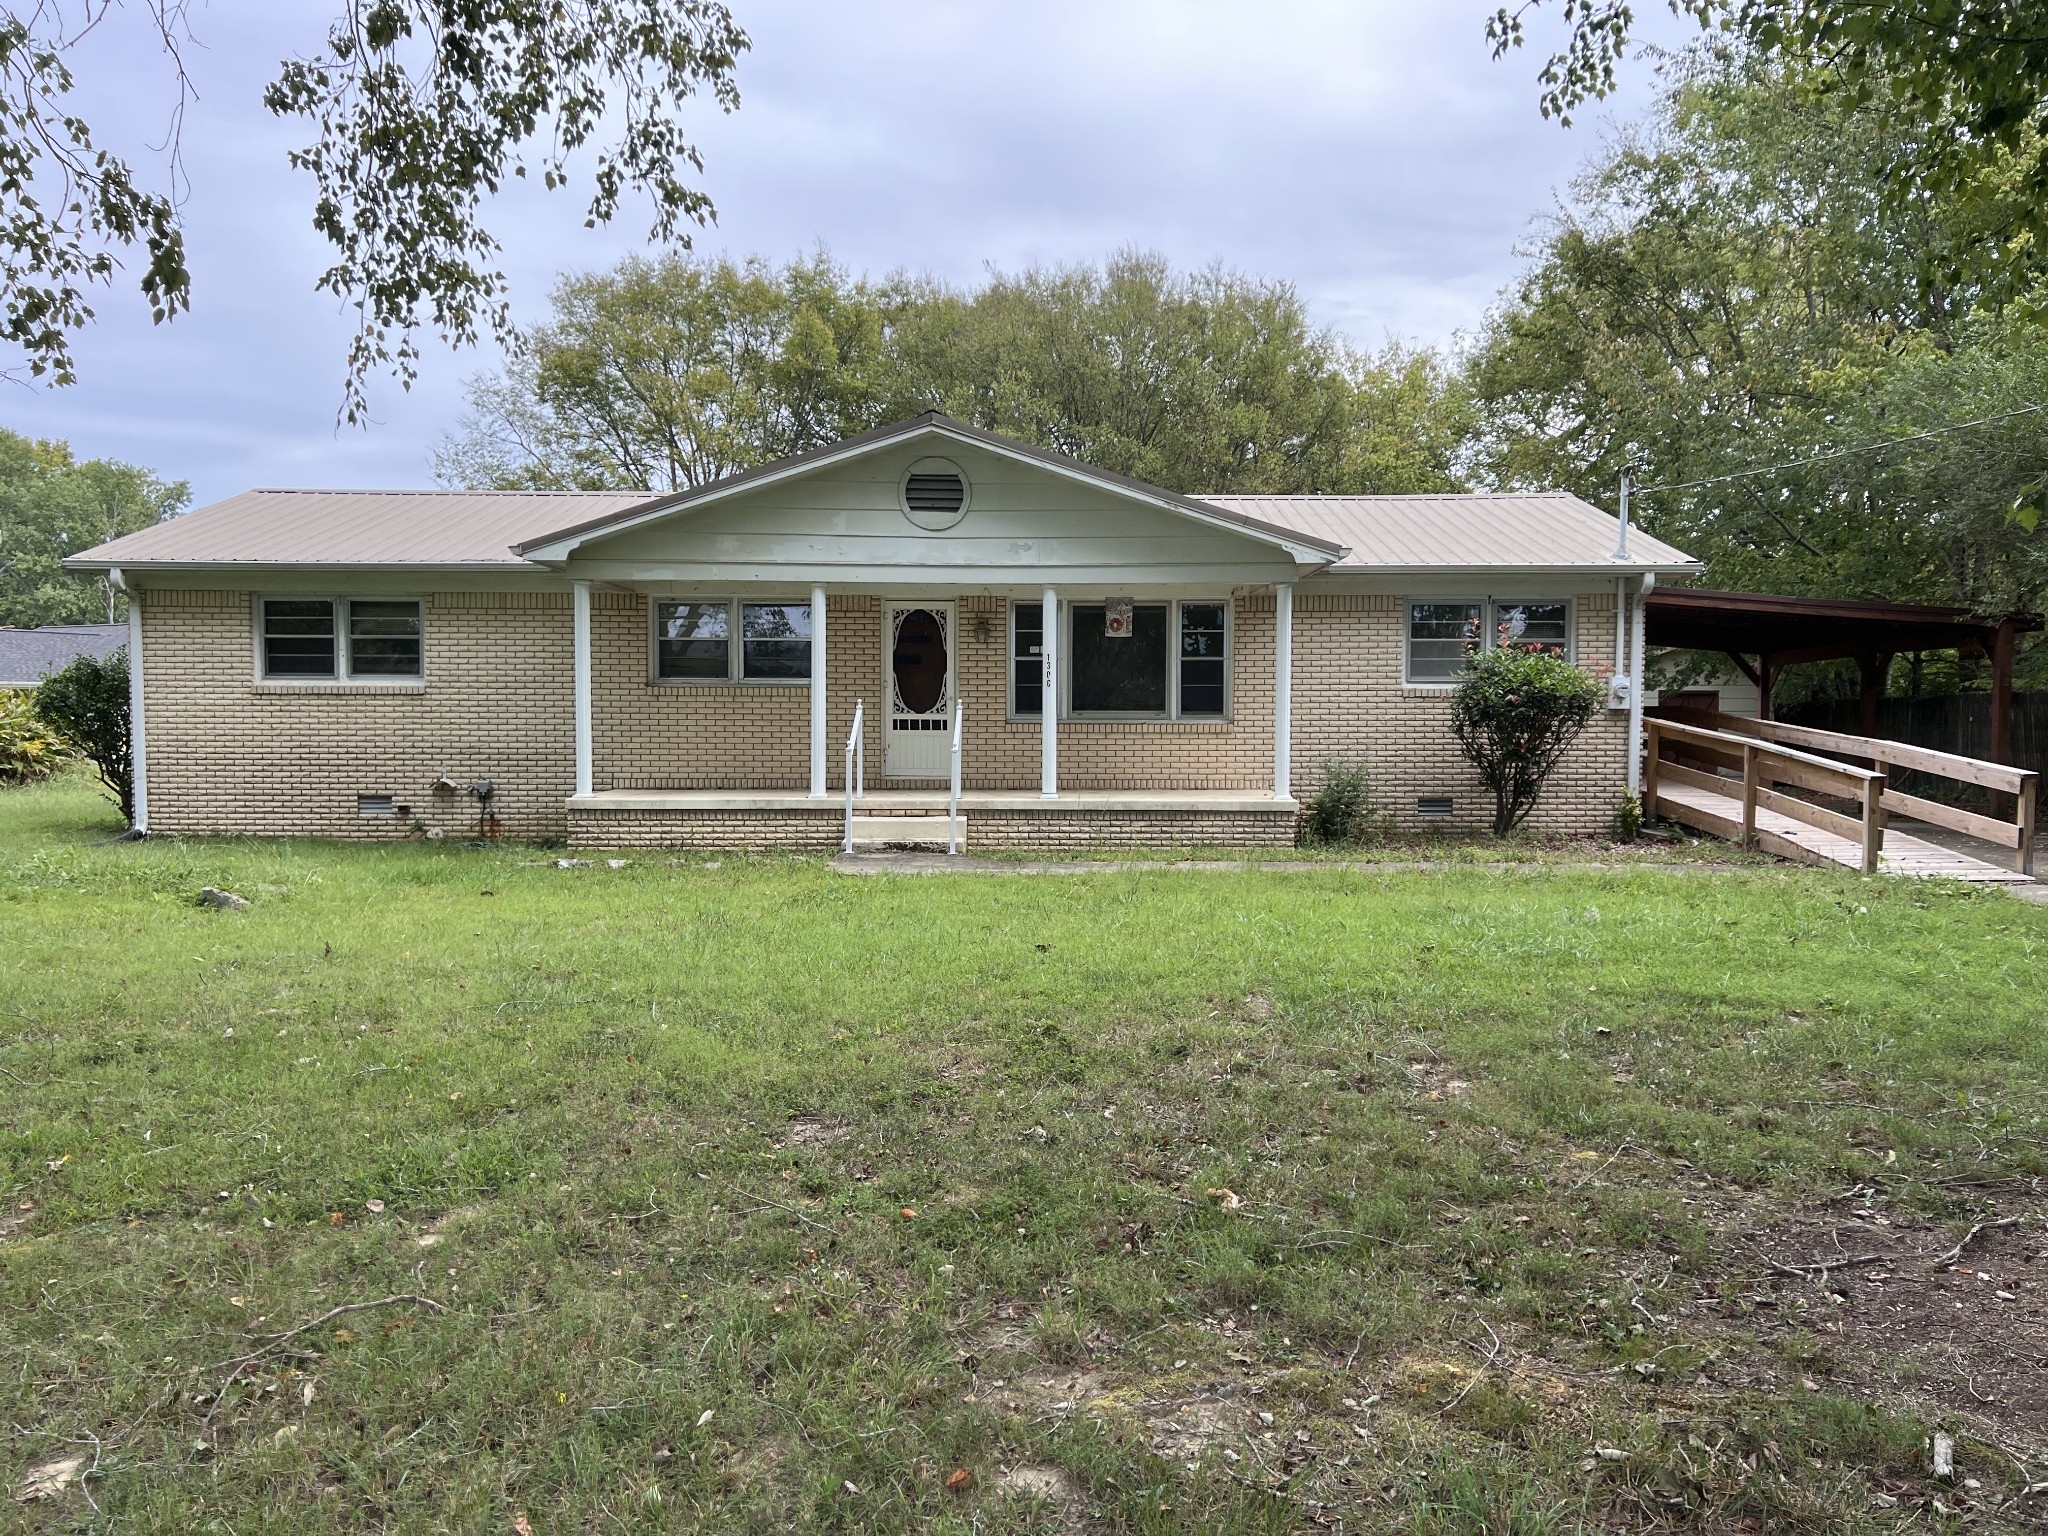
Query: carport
pixel 1763 633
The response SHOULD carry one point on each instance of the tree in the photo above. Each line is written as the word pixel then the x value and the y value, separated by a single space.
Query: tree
pixel 88 702
pixel 52 506
pixel 672 373
pixel 1515 710
pixel 420 109
pixel 1725 307
pixel 1963 82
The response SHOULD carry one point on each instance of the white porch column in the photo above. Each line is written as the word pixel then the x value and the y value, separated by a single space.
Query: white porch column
pixel 1283 692
pixel 582 673
pixel 1049 704
pixel 818 673
pixel 138 743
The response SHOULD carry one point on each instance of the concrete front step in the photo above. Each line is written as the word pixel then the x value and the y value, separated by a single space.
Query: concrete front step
pixel 873 833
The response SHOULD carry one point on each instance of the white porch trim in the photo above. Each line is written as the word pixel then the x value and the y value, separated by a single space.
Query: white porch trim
pixel 1049 701
pixel 818 674
pixel 1283 692
pixel 581 645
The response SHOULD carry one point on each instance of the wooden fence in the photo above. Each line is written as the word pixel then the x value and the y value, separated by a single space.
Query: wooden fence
pixel 1959 724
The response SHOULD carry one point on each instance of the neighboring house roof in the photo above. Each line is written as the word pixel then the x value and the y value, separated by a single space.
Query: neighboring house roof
pixel 27 656
pixel 279 527
pixel 1463 531
pixel 519 529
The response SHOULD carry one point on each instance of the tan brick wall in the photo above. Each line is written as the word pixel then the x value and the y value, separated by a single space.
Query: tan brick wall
pixel 801 829
pixel 229 755
pixel 1349 701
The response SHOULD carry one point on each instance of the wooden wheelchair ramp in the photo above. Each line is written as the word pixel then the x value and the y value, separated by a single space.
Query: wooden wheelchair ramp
pixel 1730 777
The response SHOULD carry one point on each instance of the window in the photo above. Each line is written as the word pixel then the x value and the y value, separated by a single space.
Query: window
pixel 1437 636
pixel 694 642
pixel 343 638
pixel 1439 633
pixel 1027 658
pixel 1121 676
pixel 1174 663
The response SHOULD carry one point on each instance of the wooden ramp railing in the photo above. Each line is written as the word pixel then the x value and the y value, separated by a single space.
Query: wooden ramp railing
pixel 1764 766
pixel 2016 785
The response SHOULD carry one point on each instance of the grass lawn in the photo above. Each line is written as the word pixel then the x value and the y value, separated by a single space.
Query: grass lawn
pixel 738 1194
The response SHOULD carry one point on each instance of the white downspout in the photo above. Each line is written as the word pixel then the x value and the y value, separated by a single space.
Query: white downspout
pixel 817 693
pixel 1049 701
pixel 584 775
pixel 1638 676
pixel 1283 691
pixel 138 741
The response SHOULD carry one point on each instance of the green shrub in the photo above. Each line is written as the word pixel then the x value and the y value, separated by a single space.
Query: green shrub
pixel 1628 817
pixel 88 702
pixel 29 747
pixel 1343 809
pixel 1516 709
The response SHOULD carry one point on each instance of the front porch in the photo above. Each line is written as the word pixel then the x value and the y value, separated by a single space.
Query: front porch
pixel 989 819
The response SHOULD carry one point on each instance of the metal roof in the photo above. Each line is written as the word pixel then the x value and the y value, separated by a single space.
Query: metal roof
pixel 1463 531
pixel 27 656
pixel 279 527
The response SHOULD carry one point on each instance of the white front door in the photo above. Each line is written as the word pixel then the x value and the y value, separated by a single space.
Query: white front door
pixel 917 641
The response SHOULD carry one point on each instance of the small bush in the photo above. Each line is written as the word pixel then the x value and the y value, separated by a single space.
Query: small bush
pixel 88 702
pixel 30 748
pixel 1516 710
pixel 1628 818
pixel 1343 809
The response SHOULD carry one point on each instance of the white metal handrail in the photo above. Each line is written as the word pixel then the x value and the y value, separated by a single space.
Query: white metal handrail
pixel 953 809
pixel 856 769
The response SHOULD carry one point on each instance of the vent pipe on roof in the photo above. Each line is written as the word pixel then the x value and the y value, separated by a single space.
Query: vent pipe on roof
pixel 1621 548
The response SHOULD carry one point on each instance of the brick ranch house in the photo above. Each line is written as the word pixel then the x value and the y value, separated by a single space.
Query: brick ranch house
pixel 624 668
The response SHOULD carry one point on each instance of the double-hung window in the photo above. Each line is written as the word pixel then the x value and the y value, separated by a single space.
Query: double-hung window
pixel 346 639
pixel 1171 664
pixel 1441 634
pixel 724 640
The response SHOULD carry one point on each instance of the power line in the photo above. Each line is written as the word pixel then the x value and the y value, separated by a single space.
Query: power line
pixel 1838 453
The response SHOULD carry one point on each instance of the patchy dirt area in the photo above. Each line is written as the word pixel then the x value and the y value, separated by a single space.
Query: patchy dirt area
pixel 1885 1301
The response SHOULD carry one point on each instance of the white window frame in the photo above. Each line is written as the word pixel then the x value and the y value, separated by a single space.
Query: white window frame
pixel 735 643
pixel 1171 713
pixel 344 674
pixel 1489 624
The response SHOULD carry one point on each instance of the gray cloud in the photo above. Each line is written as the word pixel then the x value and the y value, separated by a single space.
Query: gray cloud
pixel 1371 153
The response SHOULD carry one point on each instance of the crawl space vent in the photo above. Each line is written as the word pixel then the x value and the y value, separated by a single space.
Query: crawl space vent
pixel 1433 806
pixel 375 805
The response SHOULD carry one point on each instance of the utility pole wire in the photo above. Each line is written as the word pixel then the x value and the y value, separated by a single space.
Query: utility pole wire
pixel 1837 453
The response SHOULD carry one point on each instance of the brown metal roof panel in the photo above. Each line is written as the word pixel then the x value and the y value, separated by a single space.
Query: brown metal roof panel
pixel 269 527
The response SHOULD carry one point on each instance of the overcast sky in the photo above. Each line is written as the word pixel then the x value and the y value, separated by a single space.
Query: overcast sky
pixel 1370 151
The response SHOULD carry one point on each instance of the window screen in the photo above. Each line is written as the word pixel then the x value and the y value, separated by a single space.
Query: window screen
pixel 383 638
pixel 1202 639
pixel 775 639
pixel 1121 676
pixel 1027 659
pixel 298 637
pixel 1437 636
pixel 692 640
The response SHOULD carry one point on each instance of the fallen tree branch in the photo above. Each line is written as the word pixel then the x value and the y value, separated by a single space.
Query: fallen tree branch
pixel 241 1363
pixel 1971 1236
pixel 792 1210
pixel 1807 1270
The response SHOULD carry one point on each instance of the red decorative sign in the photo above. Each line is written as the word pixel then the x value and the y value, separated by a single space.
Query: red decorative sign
pixel 1116 618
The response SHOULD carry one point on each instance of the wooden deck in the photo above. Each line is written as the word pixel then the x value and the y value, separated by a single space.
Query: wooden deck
pixel 1902 853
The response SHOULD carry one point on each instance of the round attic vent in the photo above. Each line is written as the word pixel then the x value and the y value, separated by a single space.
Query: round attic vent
pixel 934 494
